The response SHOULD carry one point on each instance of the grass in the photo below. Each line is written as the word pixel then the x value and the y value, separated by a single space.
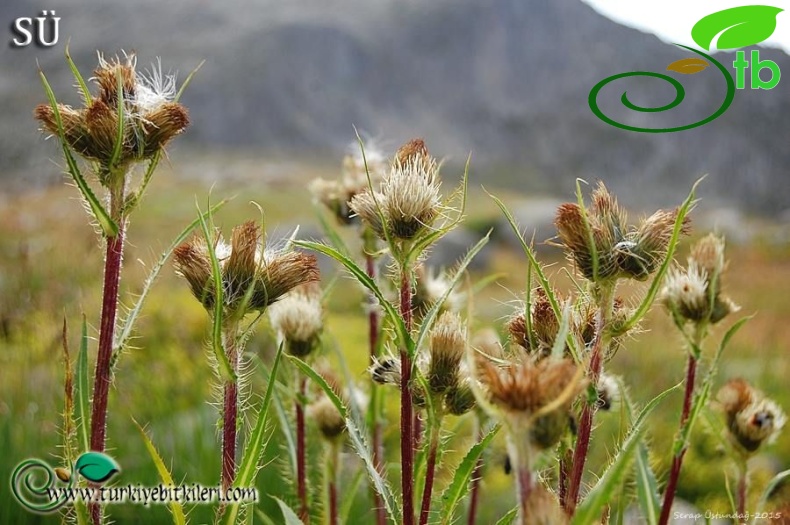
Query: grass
pixel 49 258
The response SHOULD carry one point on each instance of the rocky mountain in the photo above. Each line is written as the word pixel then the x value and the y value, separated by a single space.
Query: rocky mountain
pixel 507 80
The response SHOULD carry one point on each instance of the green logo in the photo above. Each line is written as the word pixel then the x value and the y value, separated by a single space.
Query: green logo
pixel 731 29
pixel 34 481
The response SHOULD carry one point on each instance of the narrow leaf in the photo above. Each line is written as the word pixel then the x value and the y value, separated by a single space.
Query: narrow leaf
pixel 599 496
pixel 119 132
pixel 289 515
pixel 427 322
pixel 658 278
pixel 225 369
pixel 179 518
pixel 108 226
pixel 358 440
pixel 256 444
pixel 187 81
pixel 86 94
pixel 646 486
pixel 125 333
pixel 459 486
pixel 509 518
pixel 82 392
pixel 400 328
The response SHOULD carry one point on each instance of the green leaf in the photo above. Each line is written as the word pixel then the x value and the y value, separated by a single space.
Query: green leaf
pixel 119 133
pixel 187 81
pixel 349 496
pixel 459 486
pixel 646 486
pixel 509 518
pixel 358 440
pixel 179 518
pixel 256 444
pixel 289 515
pixel 588 229
pixel 599 496
pixel 403 336
pixel 86 94
pixel 81 512
pixel 108 226
pixel 125 333
pixel 427 322
pixel 82 391
pixel 775 481
pixel 96 467
pixel 331 232
pixel 658 278
pixel 227 373
pixel 738 27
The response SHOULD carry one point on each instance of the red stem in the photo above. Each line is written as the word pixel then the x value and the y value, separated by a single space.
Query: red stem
pixel 565 462
pixel 585 429
pixel 301 453
pixel 332 503
pixel 525 489
pixel 677 461
pixel 429 474
pixel 742 497
pixel 373 339
pixel 406 415
pixel 229 415
pixel 102 377
pixel 476 475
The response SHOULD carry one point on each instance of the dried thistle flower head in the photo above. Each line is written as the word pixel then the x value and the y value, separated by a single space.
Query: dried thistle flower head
pixel 694 293
pixel 297 318
pixel 151 117
pixel 622 251
pixel 520 390
pixel 430 286
pixel 327 418
pixel 407 201
pixel 543 321
pixel 386 371
pixel 608 392
pixel 336 194
pixel 252 278
pixel 447 348
pixel 752 419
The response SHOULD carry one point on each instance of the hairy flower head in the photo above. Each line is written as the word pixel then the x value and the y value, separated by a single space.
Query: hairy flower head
pixel 752 419
pixel 297 318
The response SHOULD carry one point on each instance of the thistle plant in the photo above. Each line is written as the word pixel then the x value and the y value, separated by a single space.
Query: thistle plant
pixel 298 322
pixel 231 281
pixel 128 121
pixel 752 421
pixel 360 169
pixel 693 296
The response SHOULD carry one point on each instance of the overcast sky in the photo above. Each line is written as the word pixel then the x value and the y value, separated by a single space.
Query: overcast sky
pixel 672 20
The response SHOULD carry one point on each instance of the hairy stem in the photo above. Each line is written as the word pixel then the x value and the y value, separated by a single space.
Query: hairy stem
pixel 406 413
pixel 476 475
pixel 430 471
pixel 373 341
pixel 230 410
pixel 599 348
pixel 102 378
pixel 331 479
pixel 521 457
pixel 677 461
pixel 301 452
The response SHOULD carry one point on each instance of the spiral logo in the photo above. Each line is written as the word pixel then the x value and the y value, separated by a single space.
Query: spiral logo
pixel 685 67
pixel 32 482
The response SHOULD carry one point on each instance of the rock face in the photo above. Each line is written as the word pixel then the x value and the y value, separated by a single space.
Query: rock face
pixel 505 79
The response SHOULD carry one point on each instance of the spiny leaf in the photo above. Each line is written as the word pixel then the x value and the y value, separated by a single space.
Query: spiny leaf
pixel 459 485
pixel 289 515
pixel 400 328
pixel 108 226
pixel 256 444
pixel 122 338
pixel 86 94
pixel 179 518
pixel 688 66
pixel 226 371
pixel 357 437
pixel 590 509
pixel 739 27
pixel 82 392
pixel 646 486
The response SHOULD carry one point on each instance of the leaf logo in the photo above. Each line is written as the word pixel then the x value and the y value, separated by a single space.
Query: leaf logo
pixel 96 467
pixel 736 27
pixel 688 66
